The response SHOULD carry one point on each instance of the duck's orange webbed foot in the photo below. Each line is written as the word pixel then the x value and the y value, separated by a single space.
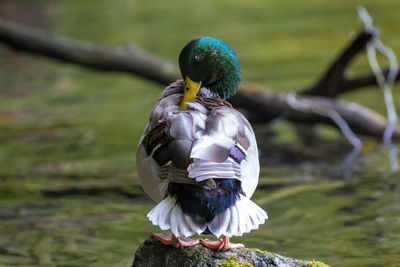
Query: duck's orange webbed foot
pixel 172 240
pixel 221 245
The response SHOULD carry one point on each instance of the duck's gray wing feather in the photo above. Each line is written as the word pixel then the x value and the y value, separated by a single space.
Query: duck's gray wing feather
pixel 226 149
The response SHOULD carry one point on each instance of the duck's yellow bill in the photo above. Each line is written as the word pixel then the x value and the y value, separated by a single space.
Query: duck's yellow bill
pixel 191 89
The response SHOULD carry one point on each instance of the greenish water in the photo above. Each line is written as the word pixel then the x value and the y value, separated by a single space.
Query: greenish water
pixel 69 193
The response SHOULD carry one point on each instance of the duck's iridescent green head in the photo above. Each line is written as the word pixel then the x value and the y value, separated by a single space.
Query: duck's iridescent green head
pixel 210 63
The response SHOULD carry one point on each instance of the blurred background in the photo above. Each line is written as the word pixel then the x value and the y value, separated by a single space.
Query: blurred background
pixel 69 192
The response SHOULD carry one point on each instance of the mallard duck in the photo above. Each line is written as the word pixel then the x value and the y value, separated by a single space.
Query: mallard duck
pixel 198 156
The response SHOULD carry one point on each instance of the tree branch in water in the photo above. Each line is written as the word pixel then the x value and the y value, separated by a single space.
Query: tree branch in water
pixel 260 103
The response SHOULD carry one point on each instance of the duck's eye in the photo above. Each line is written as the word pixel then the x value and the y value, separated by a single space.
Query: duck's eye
pixel 195 59
pixel 187 88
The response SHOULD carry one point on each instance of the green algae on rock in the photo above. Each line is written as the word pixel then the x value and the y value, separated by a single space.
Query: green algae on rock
pixel 152 253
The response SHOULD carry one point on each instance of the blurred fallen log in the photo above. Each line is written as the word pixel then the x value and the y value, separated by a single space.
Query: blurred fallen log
pixel 261 104
pixel 268 106
pixel 128 59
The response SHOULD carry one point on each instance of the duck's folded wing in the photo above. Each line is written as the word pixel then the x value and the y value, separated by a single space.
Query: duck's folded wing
pixel 222 128
pixel 222 150
pixel 163 154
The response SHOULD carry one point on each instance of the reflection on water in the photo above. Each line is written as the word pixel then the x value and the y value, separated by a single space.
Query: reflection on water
pixel 348 161
pixel 393 157
pixel 351 157
pixel 325 201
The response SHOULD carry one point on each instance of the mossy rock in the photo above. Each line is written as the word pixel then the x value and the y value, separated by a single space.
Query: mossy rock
pixel 152 253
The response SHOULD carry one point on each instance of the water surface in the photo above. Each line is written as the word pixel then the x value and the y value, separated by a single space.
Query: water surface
pixel 69 193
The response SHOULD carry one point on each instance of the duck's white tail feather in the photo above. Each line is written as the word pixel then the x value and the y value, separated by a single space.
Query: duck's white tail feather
pixel 168 215
pixel 220 223
pixel 161 214
pixel 240 218
pixel 176 222
pixel 194 226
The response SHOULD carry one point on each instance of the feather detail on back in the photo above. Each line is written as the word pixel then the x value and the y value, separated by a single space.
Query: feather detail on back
pixel 201 170
pixel 211 102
